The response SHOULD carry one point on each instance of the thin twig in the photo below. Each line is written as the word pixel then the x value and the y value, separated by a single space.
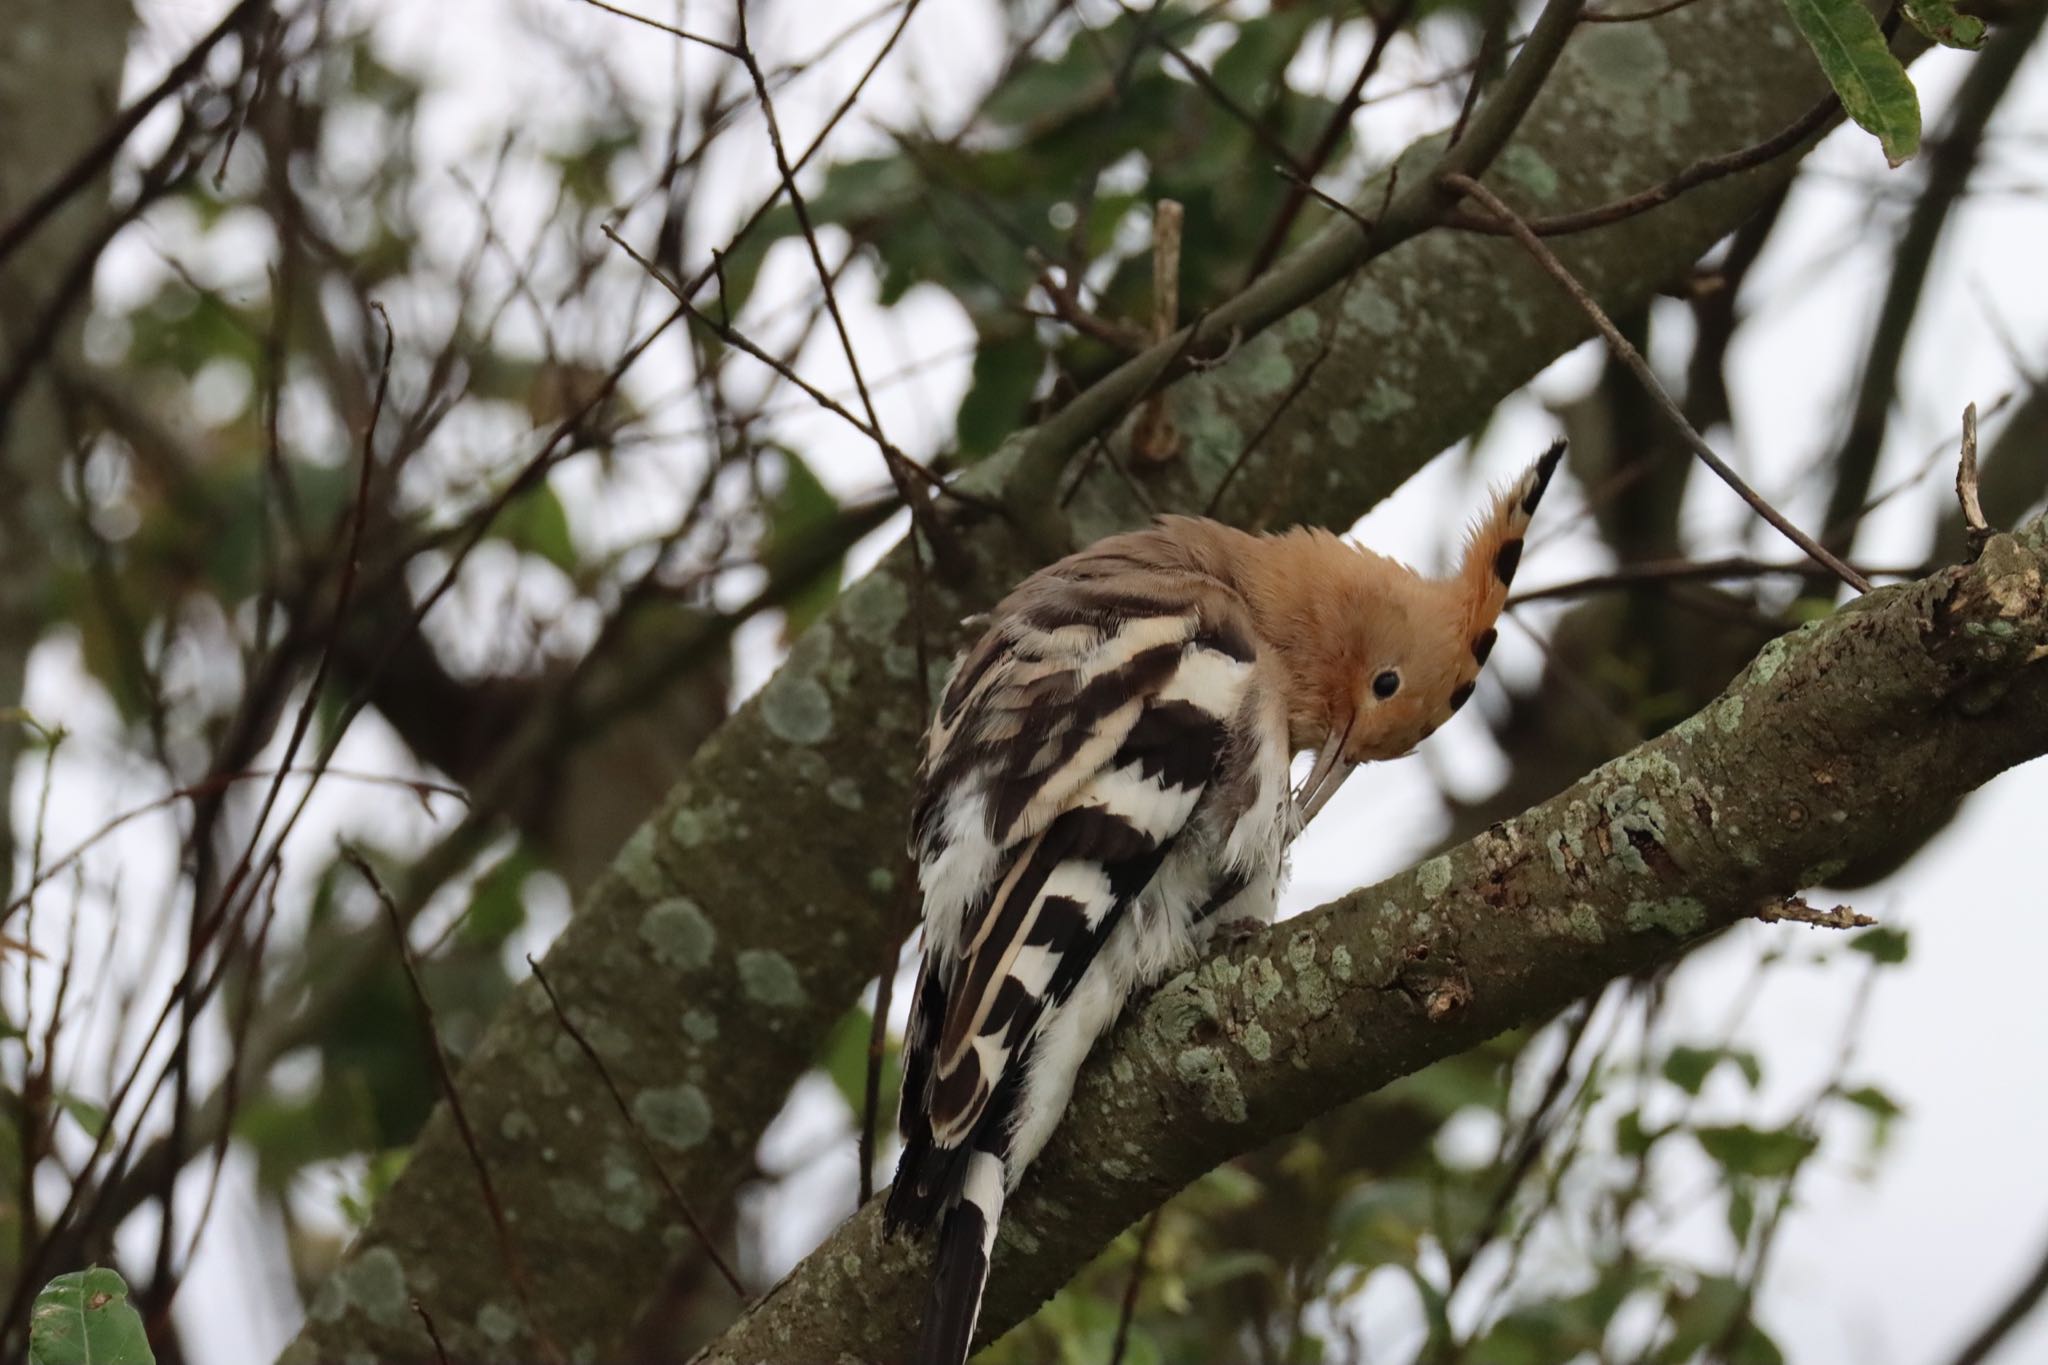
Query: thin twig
pixel 1687 571
pixel 1637 366
pixel 1301 177
pixel 714 44
pixel 515 1266
pixel 1129 1309
pixel 433 1334
pixel 1700 172
pixel 2014 1311
pixel 703 1235
pixel 1635 16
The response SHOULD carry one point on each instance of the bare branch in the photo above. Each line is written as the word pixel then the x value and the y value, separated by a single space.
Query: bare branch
pixel 1639 367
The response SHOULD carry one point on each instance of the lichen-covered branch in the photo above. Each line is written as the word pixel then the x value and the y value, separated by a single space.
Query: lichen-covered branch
pixel 1836 740
pixel 742 919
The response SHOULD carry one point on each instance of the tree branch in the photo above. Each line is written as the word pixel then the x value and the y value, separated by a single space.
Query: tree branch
pixel 1836 740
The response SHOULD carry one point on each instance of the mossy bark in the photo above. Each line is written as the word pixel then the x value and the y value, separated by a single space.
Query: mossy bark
pixel 1835 741
pixel 741 920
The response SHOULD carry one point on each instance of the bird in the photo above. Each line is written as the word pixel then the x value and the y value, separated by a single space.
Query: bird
pixel 1105 789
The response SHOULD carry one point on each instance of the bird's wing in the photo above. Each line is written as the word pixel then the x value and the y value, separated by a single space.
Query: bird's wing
pixel 1069 751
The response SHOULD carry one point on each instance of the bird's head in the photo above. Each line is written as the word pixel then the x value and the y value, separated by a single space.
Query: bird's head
pixel 1378 656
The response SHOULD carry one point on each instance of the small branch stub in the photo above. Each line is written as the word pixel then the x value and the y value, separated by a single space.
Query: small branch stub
pixel 1795 910
pixel 1155 440
pixel 1974 527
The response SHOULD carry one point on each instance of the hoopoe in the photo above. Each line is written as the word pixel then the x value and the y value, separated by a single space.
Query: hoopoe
pixel 1106 784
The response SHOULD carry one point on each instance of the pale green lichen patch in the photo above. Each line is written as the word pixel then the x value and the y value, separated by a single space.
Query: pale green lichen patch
pixel 1526 167
pixel 375 1283
pixel 1384 402
pixel 517 1126
pixel 1257 1043
pixel 1311 982
pixel 497 1323
pixel 844 793
pixel 1263 369
pixel 679 933
pixel 1434 877
pixel 1340 962
pixel 1629 59
pixel 1263 982
pixel 628 1199
pixel 1212 440
pixel 693 825
pixel 601 1033
pixel 1216 1088
pixel 874 607
pixel 700 1025
pixel 1728 714
pixel 1768 661
pixel 900 662
pixel 1583 923
pixel 768 979
pixel 1183 1010
pixel 677 1115
pixel 1677 915
pixel 1373 310
pixel 797 710
pixel 637 867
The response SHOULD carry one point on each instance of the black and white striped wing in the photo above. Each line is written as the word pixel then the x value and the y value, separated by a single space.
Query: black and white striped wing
pixel 1072 747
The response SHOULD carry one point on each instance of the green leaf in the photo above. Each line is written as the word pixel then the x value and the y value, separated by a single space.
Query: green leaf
pixel 89 1116
pixel 497 905
pixel 535 522
pixel 1743 1150
pixel 1688 1067
pixel 798 512
pixel 1005 376
pixel 1874 87
pixel 1884 945
pixel 1882 1108
pixel 1940 22
pixel 1741 1211
pixel 84 1318
pixel 844 1058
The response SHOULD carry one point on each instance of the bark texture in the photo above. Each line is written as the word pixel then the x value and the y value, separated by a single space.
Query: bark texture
pixel 60 73
pixel 742 919
pixel 1836 740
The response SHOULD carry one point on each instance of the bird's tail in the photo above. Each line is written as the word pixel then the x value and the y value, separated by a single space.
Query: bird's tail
pixel 961 1271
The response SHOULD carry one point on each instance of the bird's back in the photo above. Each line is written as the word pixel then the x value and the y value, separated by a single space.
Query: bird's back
pixel 1105 782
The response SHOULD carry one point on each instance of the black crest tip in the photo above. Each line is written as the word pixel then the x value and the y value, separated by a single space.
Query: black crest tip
pixel 1539 475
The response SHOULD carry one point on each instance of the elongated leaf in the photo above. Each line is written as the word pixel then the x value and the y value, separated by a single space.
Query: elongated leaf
pixel 535 522
pixel 1940 22
pixel 84 1318
pixel 1874 87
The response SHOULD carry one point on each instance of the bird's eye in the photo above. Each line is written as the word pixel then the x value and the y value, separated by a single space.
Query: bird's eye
pixel 1386 684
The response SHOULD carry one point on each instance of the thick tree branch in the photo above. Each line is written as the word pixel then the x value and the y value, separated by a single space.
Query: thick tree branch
pixel 740 921
pixel 1835 741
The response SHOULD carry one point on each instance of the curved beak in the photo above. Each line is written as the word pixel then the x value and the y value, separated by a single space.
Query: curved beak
pixel 1324 778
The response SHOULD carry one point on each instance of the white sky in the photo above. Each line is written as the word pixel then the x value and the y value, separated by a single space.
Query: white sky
pixel 1897 1268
